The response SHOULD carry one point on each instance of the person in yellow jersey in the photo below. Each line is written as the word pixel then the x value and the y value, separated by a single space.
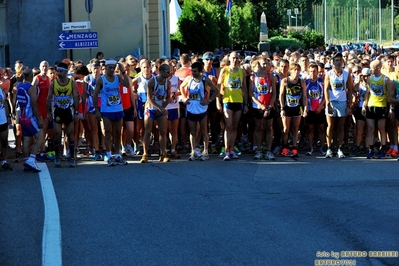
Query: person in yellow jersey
pixel 64 94
pixel 375 107
pixel 234 97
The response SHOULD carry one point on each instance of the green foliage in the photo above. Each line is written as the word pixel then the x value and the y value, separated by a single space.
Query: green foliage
pixel 244 25
pixel 283 43
pixel 197 28
pixel 311 39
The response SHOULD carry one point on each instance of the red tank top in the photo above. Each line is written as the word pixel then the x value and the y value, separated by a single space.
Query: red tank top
pixel 125 92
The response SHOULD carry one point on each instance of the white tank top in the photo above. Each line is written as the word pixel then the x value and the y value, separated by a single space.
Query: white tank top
pixel 174 103
pixel 196 93
pixel 337 91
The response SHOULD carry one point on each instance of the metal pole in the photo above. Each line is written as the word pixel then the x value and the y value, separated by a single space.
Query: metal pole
pixel 392 20
pixel 296 22
pixel 357 21
pixel 88 15
pixel 325 21
pixel 380 23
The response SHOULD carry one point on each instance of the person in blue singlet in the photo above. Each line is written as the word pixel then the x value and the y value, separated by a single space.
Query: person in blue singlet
pixel 30 120
pixel 111 110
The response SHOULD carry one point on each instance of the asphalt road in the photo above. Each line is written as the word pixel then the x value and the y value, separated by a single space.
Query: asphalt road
pixel 242 212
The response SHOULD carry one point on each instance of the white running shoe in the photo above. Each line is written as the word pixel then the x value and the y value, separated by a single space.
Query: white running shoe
pixel 340 154
pixel 329 153
pixel 258 155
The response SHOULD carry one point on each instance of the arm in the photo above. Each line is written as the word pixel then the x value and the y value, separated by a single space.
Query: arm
pixel 245 92
pixel 48 101
pixel 304 98
pixel 33 95
pixel 326 88
pixel 212 86
pixel 99 86
pixel 184 91
pixel 366 99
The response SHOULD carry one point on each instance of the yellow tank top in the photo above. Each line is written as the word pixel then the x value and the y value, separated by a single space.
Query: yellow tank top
pixel 232 82
pixel 63 96
pixel 378 92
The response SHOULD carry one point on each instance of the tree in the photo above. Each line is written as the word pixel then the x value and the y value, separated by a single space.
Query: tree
pixel 244 25
pixel 197 27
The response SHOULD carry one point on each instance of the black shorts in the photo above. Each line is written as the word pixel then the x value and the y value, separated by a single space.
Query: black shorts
pixel 258 113
pixel 357 113
pixel 62 116
pixel 316 119
pixel 3 127
pixel 376 112
pixel 128 114
pixel 293 111
pixel 396 111
pixel 196 117
pixel 183 109
pixel 233 106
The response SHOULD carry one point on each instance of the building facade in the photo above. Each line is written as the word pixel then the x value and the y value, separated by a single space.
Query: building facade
pixel 29 30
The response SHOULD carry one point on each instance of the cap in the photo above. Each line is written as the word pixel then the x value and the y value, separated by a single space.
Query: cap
pixel 248 58
pixel 327 66
pixel 287 51
pixel 208 56
pixel 366 72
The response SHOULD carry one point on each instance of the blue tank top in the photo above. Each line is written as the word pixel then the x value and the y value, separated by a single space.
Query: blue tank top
pixel 111 100
pixel 315 94
pixel 23 101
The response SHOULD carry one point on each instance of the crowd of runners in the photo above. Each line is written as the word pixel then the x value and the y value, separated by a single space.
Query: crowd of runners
pixel 335 104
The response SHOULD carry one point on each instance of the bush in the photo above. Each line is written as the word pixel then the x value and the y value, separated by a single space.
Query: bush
pixel 284 43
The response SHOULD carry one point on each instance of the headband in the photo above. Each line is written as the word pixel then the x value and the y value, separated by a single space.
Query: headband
pixel 62 69
pixel 110 62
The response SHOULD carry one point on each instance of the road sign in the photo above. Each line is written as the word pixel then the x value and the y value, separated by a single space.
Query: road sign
pixel 79 25
pixel 289 12
pixel 296 11
pixel 78 40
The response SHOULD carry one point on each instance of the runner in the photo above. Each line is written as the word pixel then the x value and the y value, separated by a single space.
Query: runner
pixel 111 110
pixel 234 95
pixel 30 120
pixel 196 90
pixel 158 97
pixel 64 94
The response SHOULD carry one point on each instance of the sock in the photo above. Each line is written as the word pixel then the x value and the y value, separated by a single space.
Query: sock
pixel 72 148
pixel 109 154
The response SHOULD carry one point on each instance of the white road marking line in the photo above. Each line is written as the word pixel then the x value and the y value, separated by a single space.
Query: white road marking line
pixel 51 241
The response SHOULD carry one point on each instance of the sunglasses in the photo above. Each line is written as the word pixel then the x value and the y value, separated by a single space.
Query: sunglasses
pixel 356 72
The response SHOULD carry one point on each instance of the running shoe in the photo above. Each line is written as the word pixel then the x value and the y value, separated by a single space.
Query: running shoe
pixel 310 152
pixel 233 155
pixel 222 152
pixel 57 162
pixel 204 156
pixel 276 150
pixel 394 154
pixel 340 154
pixel 130 151
pixel 18 156
pixel 269 156
pixel 72 162
pixel 106 158
pixel 294 152
pixel 97 157
pixel 166 159
pixel 213 149
pixel 30 165
pixel 381 154
pixel 285 152
pixel 198 152
pixel 370 154
pixel 322 152
pixel 258 155
pixel 192 156
pixel 354 151
pixel 226 157
pixel 119 161
pixel 329 153
pixel 236 150
pixel 111 161
pixel 144 159
pixel 175 155
pixel 389 152
pixel 6 167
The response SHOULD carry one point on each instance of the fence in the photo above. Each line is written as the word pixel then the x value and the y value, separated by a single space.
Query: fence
pixel 342 23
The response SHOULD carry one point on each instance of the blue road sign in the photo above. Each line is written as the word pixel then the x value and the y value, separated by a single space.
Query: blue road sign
pixel 79 40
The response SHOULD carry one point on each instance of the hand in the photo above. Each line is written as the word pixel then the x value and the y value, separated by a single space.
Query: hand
pixel 81 116
pixel 204 102
pixel 391 115
pixel 305 112
pixel 282 113
pixel 363 111
pixel 219 106
pixel 98 116
pixel 245 109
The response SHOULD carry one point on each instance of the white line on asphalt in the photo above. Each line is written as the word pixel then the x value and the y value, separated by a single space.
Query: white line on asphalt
pixel 51 242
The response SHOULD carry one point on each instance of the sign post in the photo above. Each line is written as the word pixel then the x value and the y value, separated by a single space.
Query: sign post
pixel 89 9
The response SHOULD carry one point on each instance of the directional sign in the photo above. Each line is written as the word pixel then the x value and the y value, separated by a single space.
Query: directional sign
pixel 79 40
pixel 79 25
